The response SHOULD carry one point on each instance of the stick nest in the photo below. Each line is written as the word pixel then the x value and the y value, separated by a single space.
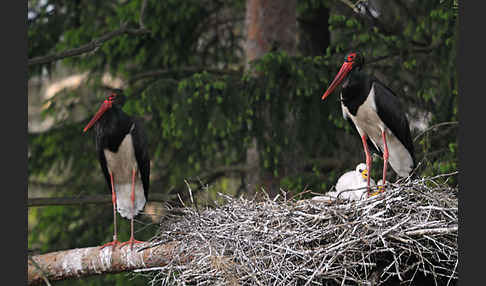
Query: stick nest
pixel 408 231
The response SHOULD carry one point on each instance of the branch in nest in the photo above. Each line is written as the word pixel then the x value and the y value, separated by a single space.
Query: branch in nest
pixel 440 230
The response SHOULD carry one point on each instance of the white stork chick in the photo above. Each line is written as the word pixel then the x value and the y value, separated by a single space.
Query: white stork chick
pixel 352 180
pixel 351 185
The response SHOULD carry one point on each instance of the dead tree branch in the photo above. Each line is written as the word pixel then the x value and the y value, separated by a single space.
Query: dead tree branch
pixel 95 199
pixel 142 14
pixel 186 70
pixel 83 262
pixel 94 44
pixel 433 127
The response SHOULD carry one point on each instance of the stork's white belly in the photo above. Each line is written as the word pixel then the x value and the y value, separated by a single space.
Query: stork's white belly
pixel 121 164
pixel 367 122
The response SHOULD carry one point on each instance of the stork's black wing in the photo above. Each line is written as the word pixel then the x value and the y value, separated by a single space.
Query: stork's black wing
pixel 140 144
pixel 391 113
pixel 103 164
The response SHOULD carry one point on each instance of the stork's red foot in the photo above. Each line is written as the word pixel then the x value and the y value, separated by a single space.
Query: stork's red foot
pixel 113 243
pixel 131 241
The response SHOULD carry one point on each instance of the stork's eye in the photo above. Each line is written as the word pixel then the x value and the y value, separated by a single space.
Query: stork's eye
pixel 111 97
pixel 350 57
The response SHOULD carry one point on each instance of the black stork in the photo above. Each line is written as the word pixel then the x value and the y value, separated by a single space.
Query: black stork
pixel 122 150
pixel 377 115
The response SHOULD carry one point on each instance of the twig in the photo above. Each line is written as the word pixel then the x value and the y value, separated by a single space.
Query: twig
pixel 142 14
pixel 190 191
pixel 94 44
pixel 186 70
pixel 433 127
pixel 94 199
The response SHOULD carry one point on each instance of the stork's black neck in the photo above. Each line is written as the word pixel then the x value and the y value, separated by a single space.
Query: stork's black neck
pixel 356 88
pixel 111 128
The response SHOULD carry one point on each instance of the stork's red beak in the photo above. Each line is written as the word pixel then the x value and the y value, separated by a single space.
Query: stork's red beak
pixel 345 69
pixel 103 108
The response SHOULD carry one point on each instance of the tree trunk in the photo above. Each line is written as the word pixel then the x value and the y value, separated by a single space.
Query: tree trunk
pixel 314 35
pixel 82 262
pixel 270 25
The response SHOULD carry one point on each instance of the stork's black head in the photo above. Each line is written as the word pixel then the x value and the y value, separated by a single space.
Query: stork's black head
pixel 356 58
pixel 353 60
pixel 115 99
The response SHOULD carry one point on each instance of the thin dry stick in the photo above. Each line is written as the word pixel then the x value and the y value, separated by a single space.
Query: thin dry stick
pixel 433 127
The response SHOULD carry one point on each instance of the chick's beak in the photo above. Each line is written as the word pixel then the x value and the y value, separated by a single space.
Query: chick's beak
pixel 364 174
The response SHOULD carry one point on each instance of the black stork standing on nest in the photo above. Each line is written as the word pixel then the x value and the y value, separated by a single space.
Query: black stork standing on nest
pixel 122 150
pixel 377 115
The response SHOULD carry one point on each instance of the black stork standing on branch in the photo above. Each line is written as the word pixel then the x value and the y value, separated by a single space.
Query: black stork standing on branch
pixel 122 150
pixel 377 115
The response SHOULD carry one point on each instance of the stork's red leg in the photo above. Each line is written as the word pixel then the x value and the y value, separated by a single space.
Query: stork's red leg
pixel 113 200
pixel 385 158
pixel 132 240
pixel 368 160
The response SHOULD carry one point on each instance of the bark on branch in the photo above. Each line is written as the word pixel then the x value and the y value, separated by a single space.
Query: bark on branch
pixel 82 262
pixel 429 231
pixel 94 44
